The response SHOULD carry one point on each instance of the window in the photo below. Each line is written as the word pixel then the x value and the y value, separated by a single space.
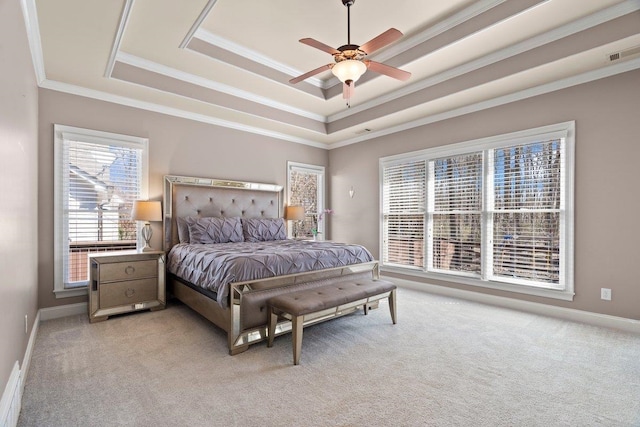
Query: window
pixel 98 175
pixel 496 212
pixel 403 214
pixel 305 187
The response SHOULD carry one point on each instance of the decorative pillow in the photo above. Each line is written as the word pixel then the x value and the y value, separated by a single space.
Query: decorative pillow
pixel 183 229
pixel 215 230
pixel 264 229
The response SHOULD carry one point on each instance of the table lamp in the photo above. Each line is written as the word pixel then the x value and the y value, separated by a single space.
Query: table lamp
pixel 146 210
pixel 294 213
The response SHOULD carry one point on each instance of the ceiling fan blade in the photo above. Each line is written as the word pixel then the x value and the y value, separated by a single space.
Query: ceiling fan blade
pixel 310 73
pixel 381 41
pixel 348 90
pixel 319 45
pixel 388 70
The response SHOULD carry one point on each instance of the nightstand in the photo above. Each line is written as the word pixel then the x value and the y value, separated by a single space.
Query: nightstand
pixel 125 281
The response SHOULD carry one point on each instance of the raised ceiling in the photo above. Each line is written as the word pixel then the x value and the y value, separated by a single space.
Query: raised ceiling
pixel 228 62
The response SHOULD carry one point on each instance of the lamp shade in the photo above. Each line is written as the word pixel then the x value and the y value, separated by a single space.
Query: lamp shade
pixel 349 69
pixel 294 213
pixel 145 210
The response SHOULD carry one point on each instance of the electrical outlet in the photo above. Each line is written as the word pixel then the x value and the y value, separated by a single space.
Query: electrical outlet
pixel 26 323
pixel 605 294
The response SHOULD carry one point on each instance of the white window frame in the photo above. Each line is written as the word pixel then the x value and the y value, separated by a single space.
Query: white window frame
pixel 566 131
pixel 62 133
pixel 313 169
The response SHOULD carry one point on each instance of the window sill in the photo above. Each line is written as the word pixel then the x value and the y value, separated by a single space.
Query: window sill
pixel 68 293
pixel 565 295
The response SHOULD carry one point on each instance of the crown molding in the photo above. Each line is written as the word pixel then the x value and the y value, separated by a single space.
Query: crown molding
pixel 198 22
pixel 586 77
pixel 453 21
pixel 468 13
pixel 117 41
pixel 30 14
pixel 175 112
pixel 154 67
pixel 574 27
pixel 254 56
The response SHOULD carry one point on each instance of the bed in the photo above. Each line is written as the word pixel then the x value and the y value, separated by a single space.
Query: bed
pixel 237 257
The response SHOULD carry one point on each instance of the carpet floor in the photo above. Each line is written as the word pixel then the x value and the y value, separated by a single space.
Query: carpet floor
pixel 447 362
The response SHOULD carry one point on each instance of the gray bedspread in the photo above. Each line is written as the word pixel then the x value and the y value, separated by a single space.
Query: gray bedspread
pixel 215 266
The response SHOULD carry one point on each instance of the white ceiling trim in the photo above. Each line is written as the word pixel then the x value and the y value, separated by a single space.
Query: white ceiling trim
pixel 585 23
pixel 396 49
pixel 196 25
pixel 149 106
pixel 453 21
pixel 117 41
pixel 254 56
pixel 527 93
pixel 501 100
pixel 30 14
pixel 154 67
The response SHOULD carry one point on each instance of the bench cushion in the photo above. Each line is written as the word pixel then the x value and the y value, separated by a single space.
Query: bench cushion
pixel 308 301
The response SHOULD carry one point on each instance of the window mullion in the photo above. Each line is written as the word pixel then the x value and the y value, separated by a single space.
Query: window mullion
pixel 488 202
pixel 429 208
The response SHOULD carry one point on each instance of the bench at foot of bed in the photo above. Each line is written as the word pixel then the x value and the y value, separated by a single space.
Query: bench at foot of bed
pixel 329 300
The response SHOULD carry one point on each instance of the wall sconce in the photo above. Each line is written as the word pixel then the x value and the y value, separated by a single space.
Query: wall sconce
pixel 351 192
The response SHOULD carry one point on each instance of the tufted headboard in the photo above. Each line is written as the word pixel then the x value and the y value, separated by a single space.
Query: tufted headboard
pixel 207 197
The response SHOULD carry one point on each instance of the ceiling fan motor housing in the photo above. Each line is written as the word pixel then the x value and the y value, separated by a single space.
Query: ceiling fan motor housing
pixel 349 51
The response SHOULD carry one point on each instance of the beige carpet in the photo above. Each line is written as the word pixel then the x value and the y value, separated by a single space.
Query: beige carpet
pixel 446 363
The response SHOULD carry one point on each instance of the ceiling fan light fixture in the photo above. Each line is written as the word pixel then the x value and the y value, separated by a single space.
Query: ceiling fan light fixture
pixel 349 69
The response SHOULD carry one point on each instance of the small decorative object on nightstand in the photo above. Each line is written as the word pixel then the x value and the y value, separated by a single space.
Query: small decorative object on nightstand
pixel 125 281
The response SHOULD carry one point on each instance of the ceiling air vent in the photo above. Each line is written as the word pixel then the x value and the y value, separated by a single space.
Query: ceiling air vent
pixel 616 56
pixel 365 130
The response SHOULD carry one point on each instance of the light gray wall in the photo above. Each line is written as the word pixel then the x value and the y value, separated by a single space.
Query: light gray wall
pixel 18 199
pixel 607 200
pixel 176 147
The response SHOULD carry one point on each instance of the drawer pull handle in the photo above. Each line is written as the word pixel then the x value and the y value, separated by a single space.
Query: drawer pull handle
pixel 129 270
pixel 129 293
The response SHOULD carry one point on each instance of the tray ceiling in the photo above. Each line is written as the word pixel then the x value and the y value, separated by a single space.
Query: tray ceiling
pixel 228 62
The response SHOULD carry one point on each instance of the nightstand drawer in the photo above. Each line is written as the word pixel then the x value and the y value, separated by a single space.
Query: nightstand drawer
pixel 128 270
pixel 128 292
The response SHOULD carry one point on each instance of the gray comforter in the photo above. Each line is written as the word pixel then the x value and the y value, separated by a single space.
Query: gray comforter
pixel 215 266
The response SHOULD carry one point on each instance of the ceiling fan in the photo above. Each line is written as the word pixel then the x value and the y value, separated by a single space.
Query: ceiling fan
pixel 350 62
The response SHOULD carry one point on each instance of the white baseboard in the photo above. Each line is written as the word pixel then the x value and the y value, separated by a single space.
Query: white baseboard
pixel 26 361
pixel 11 399
pixel 62 311
pixel 597 319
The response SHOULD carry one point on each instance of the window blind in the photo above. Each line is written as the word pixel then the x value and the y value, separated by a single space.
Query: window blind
pixel 100 181
pixel 526 213
pixel 305 188
pixel 456 210
pixel 404 213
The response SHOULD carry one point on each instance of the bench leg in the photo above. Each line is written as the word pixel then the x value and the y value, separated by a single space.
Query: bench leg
pixel 392 305
pixel 296 329
pixel 273 320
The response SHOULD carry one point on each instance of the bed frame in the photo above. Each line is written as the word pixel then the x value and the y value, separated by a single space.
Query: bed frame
pixel 245 317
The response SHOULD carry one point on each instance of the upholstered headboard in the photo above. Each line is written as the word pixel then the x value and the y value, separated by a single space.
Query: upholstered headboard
pixel 208 197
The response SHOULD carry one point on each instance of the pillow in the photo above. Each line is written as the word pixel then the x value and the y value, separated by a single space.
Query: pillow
pixel 264 229
pixel 215 230
pixel 183 229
